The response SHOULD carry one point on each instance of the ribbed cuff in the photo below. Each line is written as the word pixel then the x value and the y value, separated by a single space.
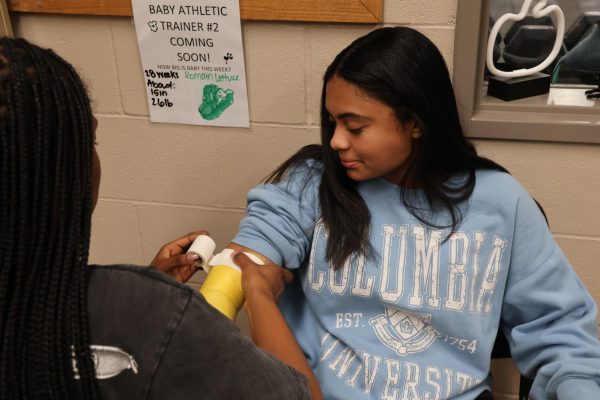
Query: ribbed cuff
pixel 578 389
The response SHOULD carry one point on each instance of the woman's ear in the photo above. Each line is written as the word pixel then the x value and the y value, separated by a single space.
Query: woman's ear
pixel 416 132
pixel 413 128
pixel 410 126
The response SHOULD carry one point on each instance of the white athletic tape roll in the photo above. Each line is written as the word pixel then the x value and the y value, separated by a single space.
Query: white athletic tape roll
pixel 203 247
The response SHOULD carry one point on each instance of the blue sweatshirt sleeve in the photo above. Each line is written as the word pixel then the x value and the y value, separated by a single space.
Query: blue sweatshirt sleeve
pixel 548 315
pixel 280 218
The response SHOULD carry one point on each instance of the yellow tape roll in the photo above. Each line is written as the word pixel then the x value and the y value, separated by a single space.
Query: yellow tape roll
pixel 222 289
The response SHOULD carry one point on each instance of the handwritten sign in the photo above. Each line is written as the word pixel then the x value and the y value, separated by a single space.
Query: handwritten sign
pixel 193 61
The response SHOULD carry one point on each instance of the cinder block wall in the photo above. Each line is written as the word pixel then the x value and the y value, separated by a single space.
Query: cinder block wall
pixel 162 180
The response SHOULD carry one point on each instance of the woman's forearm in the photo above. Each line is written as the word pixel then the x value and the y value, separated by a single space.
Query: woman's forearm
pixel 270 332
pixel 268 327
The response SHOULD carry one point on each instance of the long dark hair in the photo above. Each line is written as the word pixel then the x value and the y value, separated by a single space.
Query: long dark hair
pixel 403 69
pixel 46 145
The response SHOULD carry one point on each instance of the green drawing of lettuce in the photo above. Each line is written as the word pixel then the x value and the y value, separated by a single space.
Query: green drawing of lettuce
pixel 215 100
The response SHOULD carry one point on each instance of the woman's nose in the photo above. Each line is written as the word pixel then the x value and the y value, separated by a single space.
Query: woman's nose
pixel 339 140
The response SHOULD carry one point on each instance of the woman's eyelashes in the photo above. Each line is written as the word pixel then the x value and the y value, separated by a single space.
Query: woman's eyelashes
pixel 355 131
pixel 347 125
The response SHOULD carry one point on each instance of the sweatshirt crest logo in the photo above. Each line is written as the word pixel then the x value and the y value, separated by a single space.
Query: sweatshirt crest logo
pixel 404 333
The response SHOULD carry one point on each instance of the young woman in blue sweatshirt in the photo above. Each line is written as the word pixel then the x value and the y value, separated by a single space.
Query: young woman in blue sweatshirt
pixel 410 250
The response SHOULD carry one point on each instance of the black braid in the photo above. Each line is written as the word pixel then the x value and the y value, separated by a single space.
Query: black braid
pixel 46 144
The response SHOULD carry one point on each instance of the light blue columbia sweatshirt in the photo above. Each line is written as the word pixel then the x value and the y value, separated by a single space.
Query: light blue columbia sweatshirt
pixel 418 320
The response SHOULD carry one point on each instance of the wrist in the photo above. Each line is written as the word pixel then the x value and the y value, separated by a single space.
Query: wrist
pixel 260 296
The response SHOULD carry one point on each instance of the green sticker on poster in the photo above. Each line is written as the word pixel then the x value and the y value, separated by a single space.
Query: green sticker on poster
pixel 214 101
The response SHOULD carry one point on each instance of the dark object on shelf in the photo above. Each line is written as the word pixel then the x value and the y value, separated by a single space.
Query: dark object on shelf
pixel 527 21
pixel 580 28
pixel 528 42
pixel 529 46
pixel 594 93
pixel 585 58
pixel 509 89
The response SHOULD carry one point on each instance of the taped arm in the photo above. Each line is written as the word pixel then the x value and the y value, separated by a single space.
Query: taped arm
pixel 278 228
pixel 270 331
pixel 280 218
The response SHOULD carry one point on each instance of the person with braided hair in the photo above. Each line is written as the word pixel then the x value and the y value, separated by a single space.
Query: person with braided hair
pixel 71 331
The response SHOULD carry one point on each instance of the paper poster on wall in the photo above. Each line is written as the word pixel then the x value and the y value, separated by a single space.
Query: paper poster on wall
pixel 193 61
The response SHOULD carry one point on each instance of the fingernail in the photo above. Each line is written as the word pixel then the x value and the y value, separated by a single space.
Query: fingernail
pixel 235 253
pixel 192 257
